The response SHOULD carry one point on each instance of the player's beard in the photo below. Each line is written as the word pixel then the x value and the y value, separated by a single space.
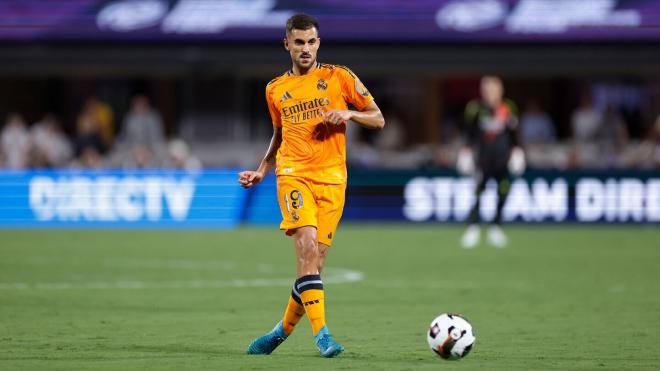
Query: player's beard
pixel 305 67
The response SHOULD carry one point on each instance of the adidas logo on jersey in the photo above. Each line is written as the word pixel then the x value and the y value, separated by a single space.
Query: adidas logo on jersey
pixel 286 96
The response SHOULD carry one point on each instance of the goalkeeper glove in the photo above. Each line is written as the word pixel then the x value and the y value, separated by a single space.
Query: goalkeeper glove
pixel 465 162
pixel 517 161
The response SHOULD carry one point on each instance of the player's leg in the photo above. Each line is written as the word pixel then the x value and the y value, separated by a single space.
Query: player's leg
pixel 330 201
pixel 481 179
pixel 503 187
pixel 307 251
pixel 298 209
pixel 299 212
pixel 309 284
pixel 472 234
pixel 310 287
pixel 294 311
pixel 496 236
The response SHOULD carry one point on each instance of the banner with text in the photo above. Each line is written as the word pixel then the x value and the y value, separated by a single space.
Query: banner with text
pixel 340 20
pixel 143 199
pixel 537 199
pixel 213 198
pixel 540 196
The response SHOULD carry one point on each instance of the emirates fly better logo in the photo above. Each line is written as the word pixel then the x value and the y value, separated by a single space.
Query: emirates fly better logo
pixel 305 110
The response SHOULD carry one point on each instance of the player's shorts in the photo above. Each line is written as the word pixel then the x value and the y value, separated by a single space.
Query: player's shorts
pixel 501 176
pixel 306 203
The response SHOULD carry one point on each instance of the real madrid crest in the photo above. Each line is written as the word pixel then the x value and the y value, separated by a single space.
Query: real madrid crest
pixel 321 84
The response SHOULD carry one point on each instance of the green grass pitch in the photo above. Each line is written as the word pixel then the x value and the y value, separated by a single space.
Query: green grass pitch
pixel 558 298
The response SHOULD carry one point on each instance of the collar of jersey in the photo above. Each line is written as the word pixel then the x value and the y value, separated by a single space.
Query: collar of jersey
pixel 290 72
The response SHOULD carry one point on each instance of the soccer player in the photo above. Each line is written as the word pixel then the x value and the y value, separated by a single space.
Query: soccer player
pixel 308 105
pixel 491 132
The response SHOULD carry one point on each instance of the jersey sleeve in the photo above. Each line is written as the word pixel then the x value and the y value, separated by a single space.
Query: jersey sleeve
pixel 274 111
pixel 353 90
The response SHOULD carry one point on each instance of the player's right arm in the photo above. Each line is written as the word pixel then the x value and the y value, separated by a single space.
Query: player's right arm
pixel 250 178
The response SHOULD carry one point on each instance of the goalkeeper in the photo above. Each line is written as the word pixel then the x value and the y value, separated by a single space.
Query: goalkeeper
pixel 491 151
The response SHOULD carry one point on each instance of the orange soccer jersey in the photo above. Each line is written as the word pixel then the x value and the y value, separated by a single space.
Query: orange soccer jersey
pixel 310 148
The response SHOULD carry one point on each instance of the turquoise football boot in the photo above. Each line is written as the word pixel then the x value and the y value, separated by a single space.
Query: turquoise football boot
pixel 328 346
pixel 266 344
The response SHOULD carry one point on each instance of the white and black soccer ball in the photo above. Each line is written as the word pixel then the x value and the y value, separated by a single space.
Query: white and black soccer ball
pixel 451 336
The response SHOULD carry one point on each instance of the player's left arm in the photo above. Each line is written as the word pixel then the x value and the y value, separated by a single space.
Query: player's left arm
pixel 369 117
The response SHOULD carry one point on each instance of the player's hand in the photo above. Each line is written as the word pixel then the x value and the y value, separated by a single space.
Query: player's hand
pixel 337 117
pixel 465 162
pixel 249 178
pixel 517 161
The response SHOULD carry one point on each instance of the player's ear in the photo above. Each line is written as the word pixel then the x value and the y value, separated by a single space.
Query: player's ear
pixel 286 43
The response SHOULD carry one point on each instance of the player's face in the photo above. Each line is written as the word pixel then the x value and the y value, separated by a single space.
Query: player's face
pixel 491 90
pixel 303 46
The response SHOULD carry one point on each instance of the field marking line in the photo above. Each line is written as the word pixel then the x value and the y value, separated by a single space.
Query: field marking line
pixel 333 275
pixel 182 264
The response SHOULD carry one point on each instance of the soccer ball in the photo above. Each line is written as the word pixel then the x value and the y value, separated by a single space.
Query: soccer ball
pixel 451 336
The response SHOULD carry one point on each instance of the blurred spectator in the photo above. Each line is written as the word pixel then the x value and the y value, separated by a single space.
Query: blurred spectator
pixel 586 120
pixel 89 158
pixel 89 135
pixel 141 136
pixel 51 147
pixel 612 133
pixel 15 142
pixel 586 123
pixel 89 144
pixel 642 154
pixel 100 112
pixel 180 156
pixel 385 149
pixel 142 125
pixel 142 157
pixel 612 136
pixel 536 127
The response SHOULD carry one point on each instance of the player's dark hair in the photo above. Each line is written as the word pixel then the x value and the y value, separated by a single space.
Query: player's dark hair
pixel 301 22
